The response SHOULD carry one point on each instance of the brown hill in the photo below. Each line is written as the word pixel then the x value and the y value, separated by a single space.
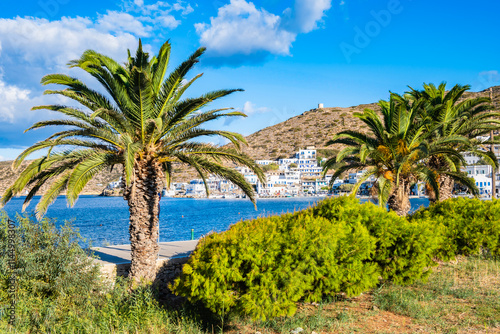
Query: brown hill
pixel 316 127
pixel 313 127
pixel 95 186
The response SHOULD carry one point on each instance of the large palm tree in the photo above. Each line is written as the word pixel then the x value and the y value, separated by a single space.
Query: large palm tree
pixel 450 114
pixel 392 152
pixel 141 123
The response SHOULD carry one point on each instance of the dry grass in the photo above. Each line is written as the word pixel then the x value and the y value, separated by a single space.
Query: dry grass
pixel 459 297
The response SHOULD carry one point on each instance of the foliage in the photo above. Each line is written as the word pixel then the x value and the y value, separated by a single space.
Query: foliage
pixel 270 167
pixel 59 289
pixel 403 249
pixel 262 267
pixel 468 226
pixel 448 114
pixel 440 303
pixel 142 120
pixel 49 261
pixel 326 152
pixel 392 152
pixel 346 187
pixel 116 310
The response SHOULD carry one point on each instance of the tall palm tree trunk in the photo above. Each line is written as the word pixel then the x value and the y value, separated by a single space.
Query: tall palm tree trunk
pixel 143 201
pixel 446 183
pixel 399 200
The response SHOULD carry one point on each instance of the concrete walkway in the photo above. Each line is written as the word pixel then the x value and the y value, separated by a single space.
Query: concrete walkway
pixel 121 254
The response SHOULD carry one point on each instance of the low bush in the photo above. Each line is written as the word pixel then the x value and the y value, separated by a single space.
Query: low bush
pixel 403 250
pixel 262 267
pixel 49 262
pixel 58 288
pixel 467 225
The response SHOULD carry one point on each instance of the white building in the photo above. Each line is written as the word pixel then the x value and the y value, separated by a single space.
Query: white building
pixel 308 153
pixel 115 184
pixel 265 162
pixel 474 170
pixel 287 181
pixel 195 188
pixel 289 161
pixel 180 187
pixel 314 185
pixel 354 177
pixel 470 158
pixel 337 183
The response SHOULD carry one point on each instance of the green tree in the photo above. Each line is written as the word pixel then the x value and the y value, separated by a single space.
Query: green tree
pixel 392 151
pixel 270 167
pixel 145 127
pixel 346 187
pixel 450 114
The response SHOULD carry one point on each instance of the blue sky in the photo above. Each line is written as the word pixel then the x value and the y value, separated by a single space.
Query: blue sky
pixel 287 55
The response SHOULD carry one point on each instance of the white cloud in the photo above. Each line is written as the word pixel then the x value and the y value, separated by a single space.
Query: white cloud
pixel 242 29
pixel 36 40
pixel 249 109
pixel 11 96
pixel 170 22
pixel 185 10
pixel 54 43
pixel 17 103
pixel 119 22
pixel 159 13
pixel 306 14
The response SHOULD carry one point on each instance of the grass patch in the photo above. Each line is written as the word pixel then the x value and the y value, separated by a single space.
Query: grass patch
pixel 459 297
pixel 461 294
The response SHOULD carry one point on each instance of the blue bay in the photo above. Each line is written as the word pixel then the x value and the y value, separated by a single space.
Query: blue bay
pixel 104 220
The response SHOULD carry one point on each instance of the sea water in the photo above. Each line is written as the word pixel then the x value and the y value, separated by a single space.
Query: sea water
pixel 104 220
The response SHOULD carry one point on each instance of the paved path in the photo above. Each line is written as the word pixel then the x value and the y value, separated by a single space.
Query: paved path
pixel 121 253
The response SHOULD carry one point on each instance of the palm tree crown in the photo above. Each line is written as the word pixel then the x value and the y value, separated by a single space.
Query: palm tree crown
pixel 448 113
pixel 142 123
pixel 392 151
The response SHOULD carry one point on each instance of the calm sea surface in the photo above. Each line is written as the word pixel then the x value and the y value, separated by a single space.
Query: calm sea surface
pixel 104 220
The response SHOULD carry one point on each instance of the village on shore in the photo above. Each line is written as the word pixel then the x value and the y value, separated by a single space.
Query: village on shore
pixel 301 176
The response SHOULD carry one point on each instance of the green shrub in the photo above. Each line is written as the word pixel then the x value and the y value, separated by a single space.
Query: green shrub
pixel 262 267
pixel 468 225
pixel 59 289
pixel 403 251
pixel 49 260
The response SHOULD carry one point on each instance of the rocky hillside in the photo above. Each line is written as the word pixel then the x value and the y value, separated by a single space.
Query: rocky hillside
pixel 313 127
pixel 95 186
pixel 316 127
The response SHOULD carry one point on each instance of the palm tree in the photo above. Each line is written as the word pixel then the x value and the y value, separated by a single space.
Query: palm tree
pixel 392 152
pixel 143 126
pixel 449 114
